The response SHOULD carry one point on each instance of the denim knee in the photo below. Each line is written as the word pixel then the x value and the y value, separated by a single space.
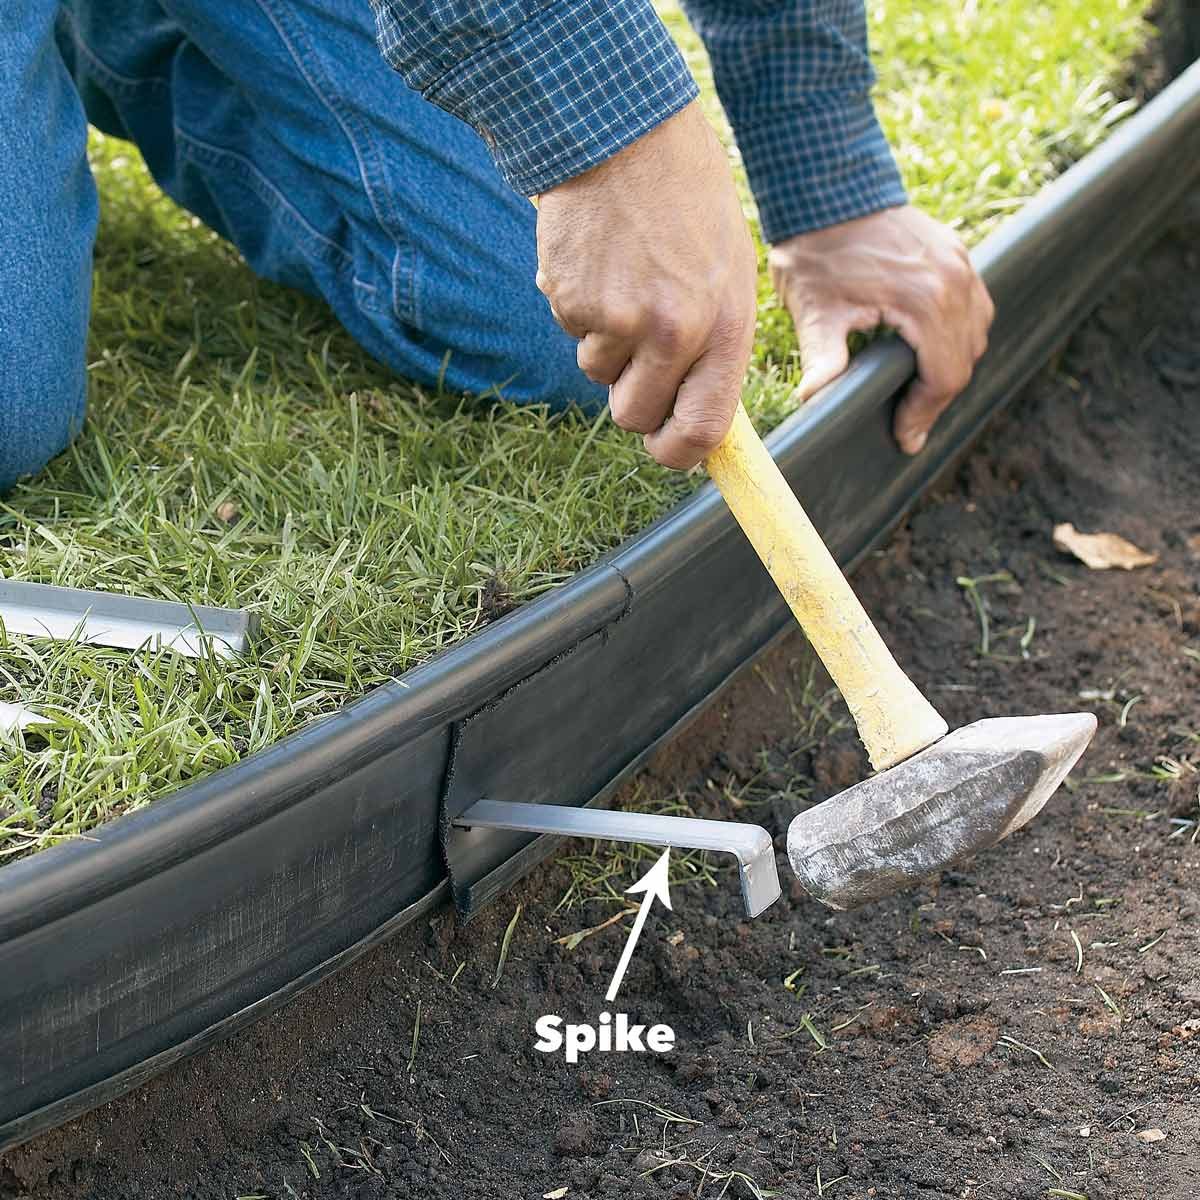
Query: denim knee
pixel 41 405
pixel 48 202
pixel 561 386
pixel 543 370
pixel 346 184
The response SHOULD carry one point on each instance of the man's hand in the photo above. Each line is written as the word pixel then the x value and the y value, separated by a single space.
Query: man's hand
pixel 646 259
pixel 897 267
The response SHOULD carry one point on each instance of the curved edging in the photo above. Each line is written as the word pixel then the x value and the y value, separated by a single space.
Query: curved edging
pixel 176 924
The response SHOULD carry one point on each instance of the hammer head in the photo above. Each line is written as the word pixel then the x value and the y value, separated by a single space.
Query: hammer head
pixel 957 797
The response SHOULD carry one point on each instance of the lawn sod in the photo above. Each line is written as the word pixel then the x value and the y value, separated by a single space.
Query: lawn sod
pixel 241 451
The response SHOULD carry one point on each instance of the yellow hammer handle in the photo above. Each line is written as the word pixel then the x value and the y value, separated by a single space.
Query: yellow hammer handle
pixel 894 719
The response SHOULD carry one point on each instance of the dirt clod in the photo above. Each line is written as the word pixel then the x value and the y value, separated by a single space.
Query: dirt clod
pixel 575 1138
pixel 964 1043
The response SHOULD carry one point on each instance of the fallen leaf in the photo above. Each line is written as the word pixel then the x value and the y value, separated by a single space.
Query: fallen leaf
pixel 1151 1135
pixel 557 1194
pixel 1100 551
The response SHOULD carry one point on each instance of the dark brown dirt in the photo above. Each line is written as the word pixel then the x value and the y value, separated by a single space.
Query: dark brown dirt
pixel 1006 1031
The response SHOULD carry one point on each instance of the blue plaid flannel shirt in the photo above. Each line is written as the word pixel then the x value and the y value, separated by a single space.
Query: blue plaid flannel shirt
pixel 556 86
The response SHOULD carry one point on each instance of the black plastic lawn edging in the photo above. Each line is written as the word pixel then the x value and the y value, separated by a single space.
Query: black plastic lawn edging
pixel 170 927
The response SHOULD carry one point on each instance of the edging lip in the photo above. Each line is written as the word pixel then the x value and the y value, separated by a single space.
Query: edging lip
pixel 186 920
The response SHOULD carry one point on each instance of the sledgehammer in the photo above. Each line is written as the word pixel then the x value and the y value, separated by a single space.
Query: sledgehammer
pixel 939 797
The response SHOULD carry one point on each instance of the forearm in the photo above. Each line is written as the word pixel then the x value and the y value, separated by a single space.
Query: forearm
pixel 795 78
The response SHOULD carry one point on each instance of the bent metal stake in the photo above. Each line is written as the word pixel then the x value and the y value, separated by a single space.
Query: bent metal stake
pixel 938 797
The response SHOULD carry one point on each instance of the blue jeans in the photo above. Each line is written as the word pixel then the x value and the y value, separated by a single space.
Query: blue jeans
pixel 278 123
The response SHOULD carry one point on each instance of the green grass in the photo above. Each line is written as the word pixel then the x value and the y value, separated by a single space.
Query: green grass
pixel 242 451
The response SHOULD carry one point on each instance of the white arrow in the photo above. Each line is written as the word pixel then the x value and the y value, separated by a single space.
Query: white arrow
pixel 654 883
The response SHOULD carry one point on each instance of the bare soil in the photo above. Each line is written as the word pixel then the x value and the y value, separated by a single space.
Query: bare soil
pixel 1006 1031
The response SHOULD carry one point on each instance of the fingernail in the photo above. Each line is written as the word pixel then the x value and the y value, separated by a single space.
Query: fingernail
pixel 914 443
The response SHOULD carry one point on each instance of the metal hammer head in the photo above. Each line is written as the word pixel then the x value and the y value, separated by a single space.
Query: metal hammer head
pixel 957 797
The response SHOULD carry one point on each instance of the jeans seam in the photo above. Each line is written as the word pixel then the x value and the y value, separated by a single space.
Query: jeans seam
pixel 116 80
pixel 199 150
pixel 385 213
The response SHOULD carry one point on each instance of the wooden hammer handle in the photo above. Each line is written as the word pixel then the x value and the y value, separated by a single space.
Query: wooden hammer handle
pixel 894 719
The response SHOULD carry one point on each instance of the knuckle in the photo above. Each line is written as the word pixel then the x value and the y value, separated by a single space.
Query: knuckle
pixel 595 369
pixel 958 381
pixel 567 311
pixel 630 417
pixel 959 271
pixel 676 462
pixel 928 289
pixel 622 320
pixel 551 284
pixel 674 457
pixel 944 385
pixel 942 289
pixel 669 329
pixel 569 304
pixel 699 431
pixel 949 283
pixel 623 419
pixel 923 405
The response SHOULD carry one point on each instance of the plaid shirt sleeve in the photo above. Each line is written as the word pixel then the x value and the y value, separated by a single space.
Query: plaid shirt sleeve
pixel 556 86
pixel 553 86
pixel 795 78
